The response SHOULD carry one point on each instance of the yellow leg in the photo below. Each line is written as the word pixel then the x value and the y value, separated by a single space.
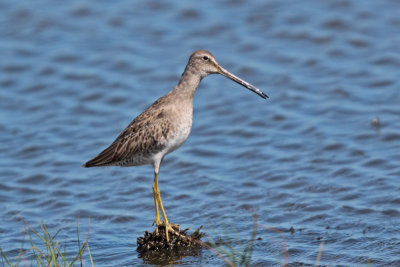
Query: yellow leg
pixel 158 203
pixel 157 220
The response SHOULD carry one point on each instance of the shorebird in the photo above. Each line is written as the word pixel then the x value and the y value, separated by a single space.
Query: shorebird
pixel 164 126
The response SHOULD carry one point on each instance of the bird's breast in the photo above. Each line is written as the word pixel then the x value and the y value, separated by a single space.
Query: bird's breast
pixel 179 136
pixel 182 124
pixel 177 140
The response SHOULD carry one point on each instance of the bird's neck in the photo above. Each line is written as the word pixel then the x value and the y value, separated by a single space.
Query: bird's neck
pixel 188 83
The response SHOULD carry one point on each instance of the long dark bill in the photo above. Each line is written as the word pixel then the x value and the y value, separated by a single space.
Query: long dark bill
pixel 229 75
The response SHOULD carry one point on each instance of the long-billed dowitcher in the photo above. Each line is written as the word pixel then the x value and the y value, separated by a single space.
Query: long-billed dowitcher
pixel 164 126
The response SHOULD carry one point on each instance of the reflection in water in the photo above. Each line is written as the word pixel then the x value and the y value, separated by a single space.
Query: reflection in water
pixel 173 256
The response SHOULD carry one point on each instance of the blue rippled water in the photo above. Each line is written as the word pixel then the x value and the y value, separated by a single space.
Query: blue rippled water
pixel 319 160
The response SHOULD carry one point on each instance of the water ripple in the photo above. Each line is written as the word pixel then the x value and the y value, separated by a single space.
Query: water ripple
pixel 318 160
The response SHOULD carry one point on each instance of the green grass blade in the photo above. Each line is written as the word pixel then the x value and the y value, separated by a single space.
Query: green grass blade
pixel 232 253
pixel 60 254
pixel 36 252
pixel 248 251
pixel 5 258
pixel 90 255
pixel 48 250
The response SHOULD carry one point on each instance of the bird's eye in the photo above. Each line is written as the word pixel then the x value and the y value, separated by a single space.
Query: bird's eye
pixel 205 58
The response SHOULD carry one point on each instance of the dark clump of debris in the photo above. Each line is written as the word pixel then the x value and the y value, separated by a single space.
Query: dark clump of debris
pixel 157 241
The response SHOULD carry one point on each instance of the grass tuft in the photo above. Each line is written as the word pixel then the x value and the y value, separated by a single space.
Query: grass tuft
pixel 47 252
pixel 229 253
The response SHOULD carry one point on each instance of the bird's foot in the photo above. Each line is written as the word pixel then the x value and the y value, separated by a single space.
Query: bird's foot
pixel 158 223
pixel 168 228
pixel 172 228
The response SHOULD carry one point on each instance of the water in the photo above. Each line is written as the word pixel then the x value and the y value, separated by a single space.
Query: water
pixel 74 74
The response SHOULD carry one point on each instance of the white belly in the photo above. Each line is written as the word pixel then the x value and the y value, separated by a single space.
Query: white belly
pixel 174 141
pixel 177 139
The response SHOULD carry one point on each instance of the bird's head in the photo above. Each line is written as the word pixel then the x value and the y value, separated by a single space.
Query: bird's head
pixel 204 63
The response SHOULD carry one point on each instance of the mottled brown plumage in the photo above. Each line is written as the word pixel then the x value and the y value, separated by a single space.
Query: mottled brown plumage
pixel 144 136
pixel 164 126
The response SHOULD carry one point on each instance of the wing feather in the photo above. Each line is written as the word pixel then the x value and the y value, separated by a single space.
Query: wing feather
pixel 143 136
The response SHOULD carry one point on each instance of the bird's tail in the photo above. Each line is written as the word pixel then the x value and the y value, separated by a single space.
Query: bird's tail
pixel 106 158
